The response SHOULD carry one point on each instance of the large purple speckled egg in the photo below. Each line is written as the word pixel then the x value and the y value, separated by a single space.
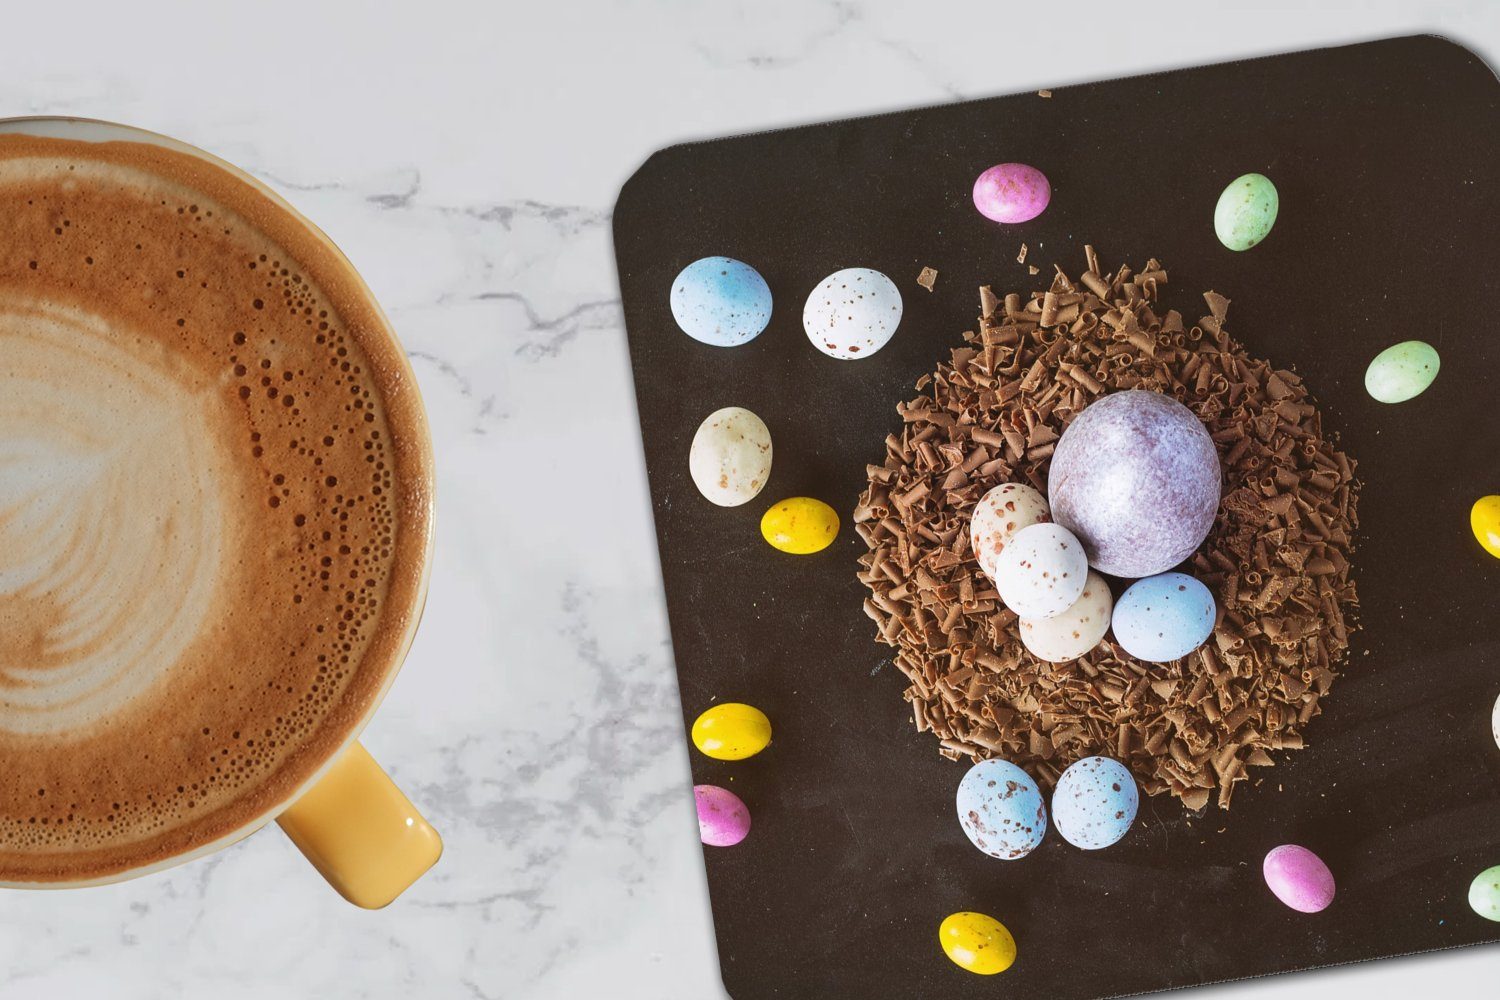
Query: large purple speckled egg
pixel 1136 478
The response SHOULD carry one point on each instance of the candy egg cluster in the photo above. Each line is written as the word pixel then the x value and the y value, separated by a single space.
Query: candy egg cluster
pixel 1002 812
pixel 997 517
pixel 1134 489
pixel 729 731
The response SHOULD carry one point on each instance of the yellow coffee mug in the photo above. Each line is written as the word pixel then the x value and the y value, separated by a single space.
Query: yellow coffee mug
pixel 348 818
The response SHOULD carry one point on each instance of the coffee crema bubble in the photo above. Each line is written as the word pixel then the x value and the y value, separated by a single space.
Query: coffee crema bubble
pixel 213 506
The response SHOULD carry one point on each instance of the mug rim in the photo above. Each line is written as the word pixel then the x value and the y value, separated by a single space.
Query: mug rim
pixel 419 426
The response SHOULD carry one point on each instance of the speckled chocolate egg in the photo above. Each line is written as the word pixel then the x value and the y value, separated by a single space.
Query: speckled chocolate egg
pixel 721 301
pixel 1164 617
pixel 1246 211
pixel 1077 630
pixel 998 515
pixel 1299 878
pixel 1012 192
pixel 1042 571
pixel 1402 371
pixel 730 457
pixel 1484 894
pixel 1136 478
pixel 977 943
pixel 1001 810
pixel 723 818
pixel 1495 722
pixel 1095 803
pixel 852 313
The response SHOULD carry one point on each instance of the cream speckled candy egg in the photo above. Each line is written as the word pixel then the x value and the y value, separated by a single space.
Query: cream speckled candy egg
pixel 1095 802
pixel 730 458
pixel 1001 513
pixel 1077 630
pixel 852 313
pixel 1042 571
pixel 1001 809
pixel 1495 722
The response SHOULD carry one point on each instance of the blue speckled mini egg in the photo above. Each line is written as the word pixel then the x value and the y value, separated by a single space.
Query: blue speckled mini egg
pixel 721 301
pixel 1001 810
pixel 1095 803
pixel 1163 617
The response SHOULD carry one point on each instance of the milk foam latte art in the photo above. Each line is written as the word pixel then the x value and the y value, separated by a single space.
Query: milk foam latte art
pixel 87 431
pixel 214 506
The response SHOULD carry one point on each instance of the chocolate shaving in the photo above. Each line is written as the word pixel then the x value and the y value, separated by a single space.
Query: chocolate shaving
pixel 927 278
pixel 1277 559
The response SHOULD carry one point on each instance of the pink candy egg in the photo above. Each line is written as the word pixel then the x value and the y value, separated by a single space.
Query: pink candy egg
pixel 1012 192
pixel 723 820
pixel 1299 878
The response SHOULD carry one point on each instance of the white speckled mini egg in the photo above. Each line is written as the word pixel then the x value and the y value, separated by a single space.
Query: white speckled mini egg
pixel 852 313
pixel 730 458
pixel 1095 803
pixel 1077 630
pixel 1042 571
pixel 1495 722
pixel 1001 810
pixel 1001 513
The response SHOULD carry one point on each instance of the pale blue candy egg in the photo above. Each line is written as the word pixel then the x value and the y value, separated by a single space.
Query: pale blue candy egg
pixel 1163 617
pixel 1001 809
pixel 721 301
pixel 1095 803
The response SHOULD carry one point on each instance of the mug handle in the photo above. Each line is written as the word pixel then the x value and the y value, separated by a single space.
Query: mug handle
pixel 360 832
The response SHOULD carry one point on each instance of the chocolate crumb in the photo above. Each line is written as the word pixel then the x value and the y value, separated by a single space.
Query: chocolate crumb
pixel 927 278
pixel 1033 270
pixel 1044 93
pixel 1277 560
pixel 1021 257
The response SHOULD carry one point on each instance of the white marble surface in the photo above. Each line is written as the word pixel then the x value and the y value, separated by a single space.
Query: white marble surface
pixel 466 156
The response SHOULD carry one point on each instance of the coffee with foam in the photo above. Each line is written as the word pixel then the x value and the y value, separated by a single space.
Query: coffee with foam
pixel 214 505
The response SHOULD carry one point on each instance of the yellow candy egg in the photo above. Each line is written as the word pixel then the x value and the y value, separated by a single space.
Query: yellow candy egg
pixel 1485 520
pixel 977 943
pixel 732 731
pixel 800 526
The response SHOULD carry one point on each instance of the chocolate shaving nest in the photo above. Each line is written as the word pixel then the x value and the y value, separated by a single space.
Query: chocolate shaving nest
pixel 1277 559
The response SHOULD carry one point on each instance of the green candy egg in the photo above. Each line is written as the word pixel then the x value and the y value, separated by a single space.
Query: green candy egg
pixel 1484 894
pixel 1401 371
pixel 1246 211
